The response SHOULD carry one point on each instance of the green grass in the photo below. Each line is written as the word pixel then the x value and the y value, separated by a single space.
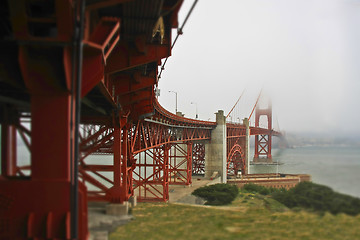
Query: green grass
pixel 250 216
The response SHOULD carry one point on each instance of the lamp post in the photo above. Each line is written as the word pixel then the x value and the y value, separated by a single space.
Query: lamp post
pixel 175 101
pixel 196 117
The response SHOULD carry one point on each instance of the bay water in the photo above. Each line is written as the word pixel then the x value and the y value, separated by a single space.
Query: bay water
pixel 335 166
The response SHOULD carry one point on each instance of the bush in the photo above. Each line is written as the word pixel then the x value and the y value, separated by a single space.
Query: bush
pixel 318 198
pixel 217 194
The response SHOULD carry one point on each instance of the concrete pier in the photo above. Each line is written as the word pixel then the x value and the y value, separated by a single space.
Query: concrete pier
pixel 117 209
pixel 247 145
pixel 215 150
pixel 101 224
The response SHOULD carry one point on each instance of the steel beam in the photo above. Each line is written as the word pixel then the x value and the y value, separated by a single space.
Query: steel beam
pixel 263 141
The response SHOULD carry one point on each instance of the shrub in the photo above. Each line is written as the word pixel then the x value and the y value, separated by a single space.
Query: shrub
pixel 318 198
pixel 217 194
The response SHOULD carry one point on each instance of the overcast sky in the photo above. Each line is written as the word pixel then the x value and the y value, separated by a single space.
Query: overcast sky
pixel 304 53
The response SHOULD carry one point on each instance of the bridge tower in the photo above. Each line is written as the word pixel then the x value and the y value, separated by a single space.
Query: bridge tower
pixel 263 141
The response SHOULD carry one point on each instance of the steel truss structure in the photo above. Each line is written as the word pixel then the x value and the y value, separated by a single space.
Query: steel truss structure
pixel 65 63
pixel 151 178
pixel 263 141
pixel 151 153
pixel 180 163
pixel 198 161
pixel 82 75
pixel 235 147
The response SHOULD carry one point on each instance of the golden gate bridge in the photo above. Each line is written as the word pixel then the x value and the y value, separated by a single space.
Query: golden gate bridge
pixel 78 78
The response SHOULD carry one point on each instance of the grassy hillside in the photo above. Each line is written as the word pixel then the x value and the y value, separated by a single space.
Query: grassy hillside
pixel 250 216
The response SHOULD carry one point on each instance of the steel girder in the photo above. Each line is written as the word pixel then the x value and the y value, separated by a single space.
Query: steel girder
pixel 155 146
pixel 263 146
pixel 236 160
pixel 112 180
pixel 96 140
pixel 198 167
pixel 180 163
pixel 151 178
pixel 143 139
pixel 263 141
pixel 159 167
pixel 10 167
pixel 38 68
pixel 235 147
pixel 48 175
pixel 8 150
pixel 42 49
pixel 164 127
pixel 149 133
pixel 174 136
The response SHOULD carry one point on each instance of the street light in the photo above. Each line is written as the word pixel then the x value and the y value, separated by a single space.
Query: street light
pixel 196 109
pixel 176 101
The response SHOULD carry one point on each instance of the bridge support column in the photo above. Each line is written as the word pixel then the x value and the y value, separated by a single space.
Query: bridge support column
pixel 122 179
pixel 8 150
pixel 247 145
pixel 215 151
pixel 39 206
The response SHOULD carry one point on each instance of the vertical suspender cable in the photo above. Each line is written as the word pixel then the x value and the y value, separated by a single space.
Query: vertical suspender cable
pixel 77 75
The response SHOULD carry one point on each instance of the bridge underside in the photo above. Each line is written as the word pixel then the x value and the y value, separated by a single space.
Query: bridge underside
pixel 77 93
pixel 54 53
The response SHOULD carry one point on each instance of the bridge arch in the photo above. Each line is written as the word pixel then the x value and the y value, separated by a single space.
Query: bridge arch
pixel 236 160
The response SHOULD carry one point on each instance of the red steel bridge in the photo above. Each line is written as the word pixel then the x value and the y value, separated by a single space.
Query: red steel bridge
pixel 77 82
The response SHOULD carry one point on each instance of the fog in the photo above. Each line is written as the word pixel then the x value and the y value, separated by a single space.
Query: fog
pixel 304 54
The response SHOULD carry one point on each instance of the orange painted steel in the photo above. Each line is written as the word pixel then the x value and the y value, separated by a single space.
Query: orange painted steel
pixel 42 58
pixel 170 133
pixel 180 164
pixel 46 66
pixel 165 136
pixel 39 45
pixel 235 149
pixel 151 180
pixel 263 141
pixel 198 159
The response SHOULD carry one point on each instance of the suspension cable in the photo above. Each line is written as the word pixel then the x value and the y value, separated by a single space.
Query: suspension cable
pixel 179 32
pixel 257 100
pixel 236 103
